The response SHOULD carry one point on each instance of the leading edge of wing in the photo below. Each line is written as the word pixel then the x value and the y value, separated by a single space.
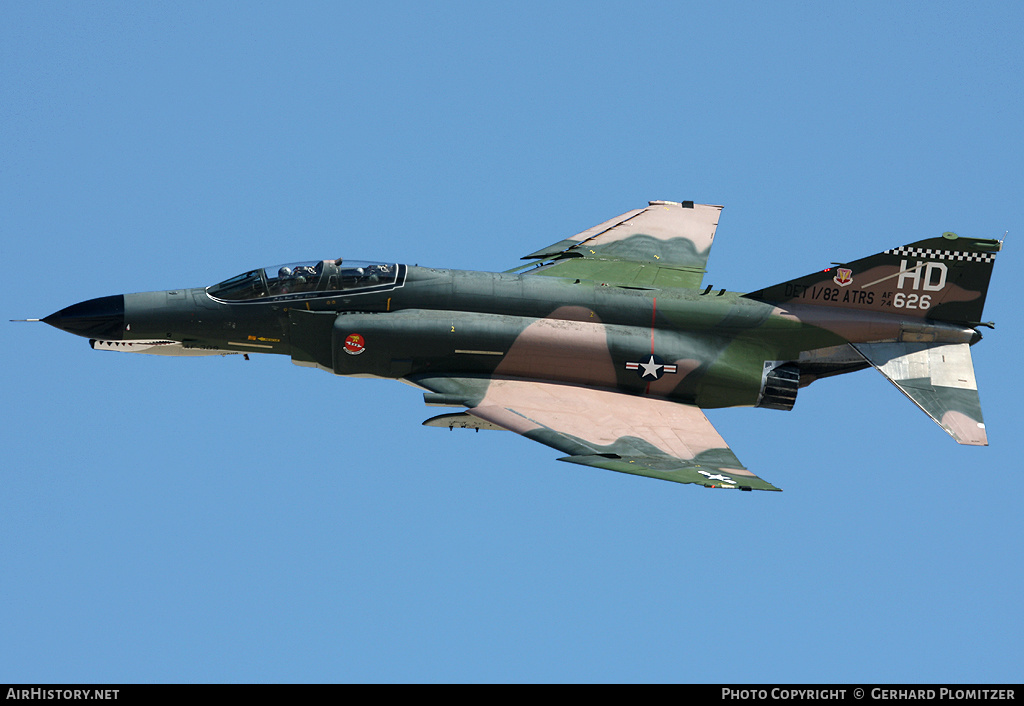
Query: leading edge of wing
pixel 666 244
pixel 611 430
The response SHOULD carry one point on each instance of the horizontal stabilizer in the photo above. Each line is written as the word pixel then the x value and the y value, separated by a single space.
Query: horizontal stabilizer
pixel 938 378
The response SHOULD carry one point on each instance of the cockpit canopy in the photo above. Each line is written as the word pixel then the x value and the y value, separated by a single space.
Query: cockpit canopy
pixel 298 279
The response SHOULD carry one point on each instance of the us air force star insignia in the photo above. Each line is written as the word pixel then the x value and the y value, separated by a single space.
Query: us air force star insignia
pixel 655 367
pixel 717 476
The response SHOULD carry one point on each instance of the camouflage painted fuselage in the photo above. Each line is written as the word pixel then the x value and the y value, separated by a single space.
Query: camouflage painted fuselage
pixel 712 348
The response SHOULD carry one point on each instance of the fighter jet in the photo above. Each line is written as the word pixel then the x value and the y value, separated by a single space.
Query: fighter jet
pixel 606 345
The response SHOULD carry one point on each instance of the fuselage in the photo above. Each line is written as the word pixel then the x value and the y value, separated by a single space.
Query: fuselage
pixel 709 348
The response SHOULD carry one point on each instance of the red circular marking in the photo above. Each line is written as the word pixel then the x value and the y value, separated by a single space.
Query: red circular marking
pixel 355 344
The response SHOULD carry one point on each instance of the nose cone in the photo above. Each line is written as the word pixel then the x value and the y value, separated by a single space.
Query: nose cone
pixel 95 318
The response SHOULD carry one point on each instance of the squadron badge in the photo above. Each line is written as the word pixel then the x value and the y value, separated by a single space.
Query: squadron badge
pixel 844 276
pixel 354 344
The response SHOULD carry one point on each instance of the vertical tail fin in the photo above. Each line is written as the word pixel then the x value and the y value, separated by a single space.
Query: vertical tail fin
pixel 938 279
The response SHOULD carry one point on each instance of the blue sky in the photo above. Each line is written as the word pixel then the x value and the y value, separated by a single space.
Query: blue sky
pixel 189 520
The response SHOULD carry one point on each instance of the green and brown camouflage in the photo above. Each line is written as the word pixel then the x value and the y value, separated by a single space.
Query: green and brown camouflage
pixel 605 346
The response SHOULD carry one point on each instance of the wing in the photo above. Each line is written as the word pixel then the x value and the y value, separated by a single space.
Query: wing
pixel 618 432
pixel 664 245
